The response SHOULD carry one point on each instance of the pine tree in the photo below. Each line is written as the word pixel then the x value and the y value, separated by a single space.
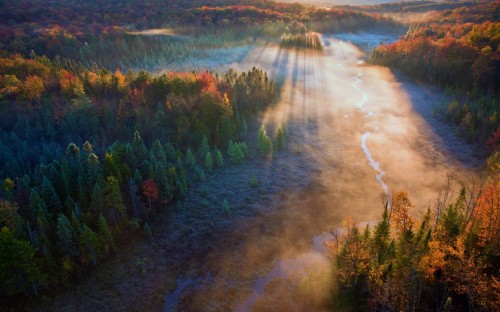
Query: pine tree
pixel 110 167
pixel 382 235
pixel 113 200
pixel 264 143
pixel 65 234
pixel 50 196
pixel 235 153
pixel 279 138
pixel 107 241
pixel 190 160
pixel 200 174
pixel 138 147
pixel 203 149
pixel 93 170
pixel 97 198
pixel 89 243
pixel 219 160
pixel 209 163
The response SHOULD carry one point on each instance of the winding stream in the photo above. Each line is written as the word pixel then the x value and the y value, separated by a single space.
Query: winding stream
pixel 333 104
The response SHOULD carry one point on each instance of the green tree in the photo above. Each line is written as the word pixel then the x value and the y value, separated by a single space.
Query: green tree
pixel 204 148
pixel 19 267
pixel 279 138
pixel 50 196
pixel 235 153
pixel 138 147
pixel 219 160
pixel 209 163
pixel 113 201
pixel 190 160
pixel 107 241
pixel 89 243
pixel 65 237
pixel 264 143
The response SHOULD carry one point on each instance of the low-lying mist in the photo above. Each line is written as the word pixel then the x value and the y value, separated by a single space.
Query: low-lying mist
pixel 363 138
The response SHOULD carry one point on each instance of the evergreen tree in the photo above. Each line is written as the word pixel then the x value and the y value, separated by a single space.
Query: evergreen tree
pixel 113 200
pixel 97 198
pixel 200 174
pixel 382 235
pixel 279 138
pixel 203 149
pixel 219 160
pixel 264 143
pixel 65 234
pixel 107 241
pixel 209 163
pixel 111 168
pixel 235 153
pixel 89 243
pixel 190 160
pixel 138 147
pixel 93 170
pixel 50 196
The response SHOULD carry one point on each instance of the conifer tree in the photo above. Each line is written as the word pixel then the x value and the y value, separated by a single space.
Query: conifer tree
pixel 203 149
pixel 138 147
pixel 219 160
pixel 89 243
pixel 113 200
pixel 107 241
pixel 209 163
pixel 264 143
pixel 279 138
pixel 190 160
pixel 50 196
pixel 65 237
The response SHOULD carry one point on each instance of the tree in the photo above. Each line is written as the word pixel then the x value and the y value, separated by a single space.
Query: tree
pixel 235 153
pixel 50 196
pixel 279 138
pixel 19 266
pixel 401 205
pixel 89 243
pixel 107 241
pixel 65 237
pixel 204 148
pixel 209 163
pixel 219 160
pixel 190 160
pixel 113 201
pixel 138 147
pixel 150 191
pixel 264 143
pixel 32 88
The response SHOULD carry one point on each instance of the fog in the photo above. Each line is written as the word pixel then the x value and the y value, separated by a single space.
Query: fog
pixel 364 133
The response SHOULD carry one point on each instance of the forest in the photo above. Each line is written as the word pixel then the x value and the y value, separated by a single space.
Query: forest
pixel 112 131
pixel 458 50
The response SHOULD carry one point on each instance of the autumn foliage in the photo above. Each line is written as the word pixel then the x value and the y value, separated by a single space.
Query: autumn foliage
pixel 448 257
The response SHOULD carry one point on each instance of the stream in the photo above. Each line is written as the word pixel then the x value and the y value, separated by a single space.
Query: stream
pixel 360 127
